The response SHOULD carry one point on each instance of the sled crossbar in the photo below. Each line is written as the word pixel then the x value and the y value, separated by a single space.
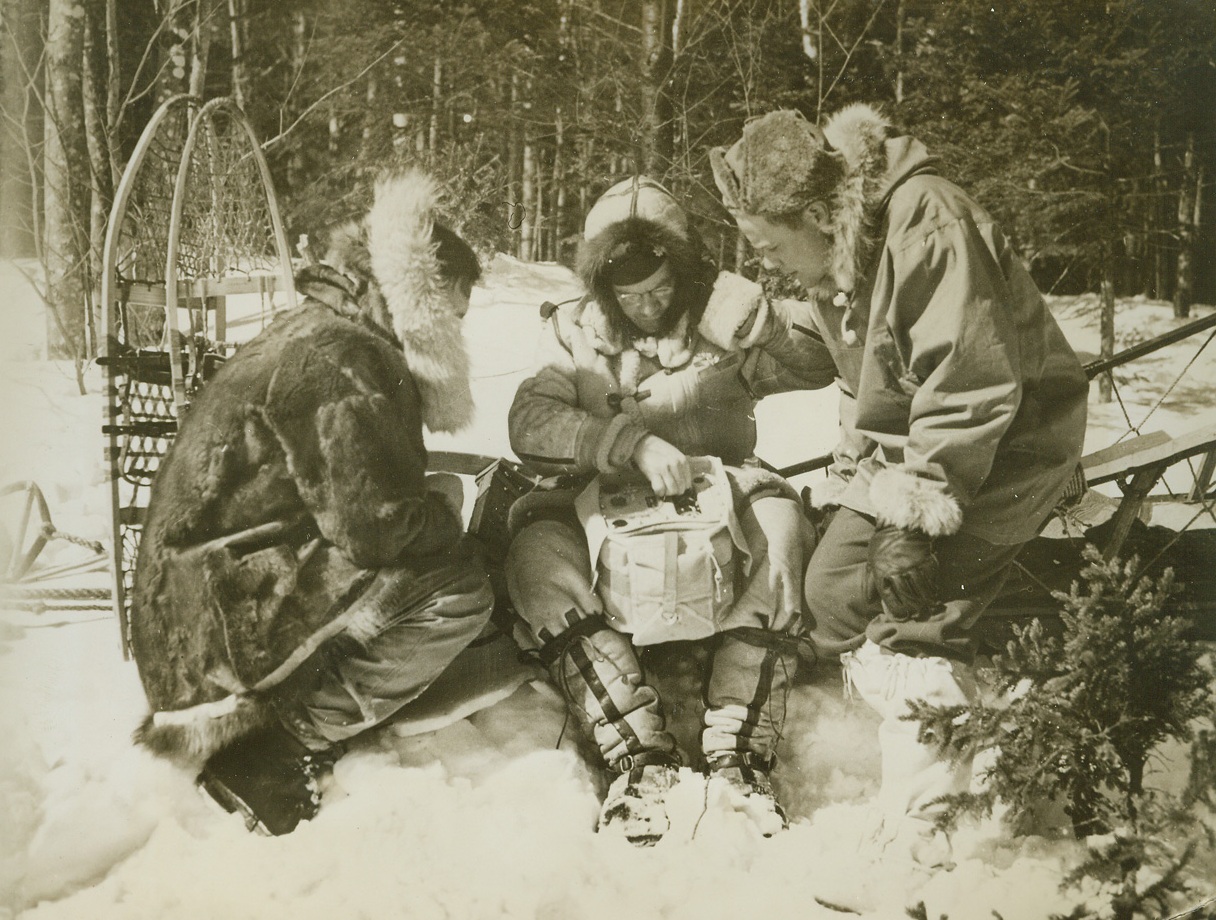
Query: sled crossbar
pixel 1102 365
pixel 154 295
pixel 1093 370
pixel 1138 465
pixel 451 461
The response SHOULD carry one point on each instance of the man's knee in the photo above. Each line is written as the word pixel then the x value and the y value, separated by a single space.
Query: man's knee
pixel 544 543
pixel 549 576
pixel 829 587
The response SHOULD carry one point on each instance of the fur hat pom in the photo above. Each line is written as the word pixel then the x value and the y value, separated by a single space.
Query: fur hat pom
pixel 901 499
pixel 858 131
pixel 406 267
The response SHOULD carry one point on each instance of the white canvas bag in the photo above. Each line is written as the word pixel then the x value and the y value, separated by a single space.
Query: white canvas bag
pixel 665 568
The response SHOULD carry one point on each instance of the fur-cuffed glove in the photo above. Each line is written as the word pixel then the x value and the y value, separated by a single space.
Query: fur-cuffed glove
pixel 911 512
pixel 903 573
pixel 737 315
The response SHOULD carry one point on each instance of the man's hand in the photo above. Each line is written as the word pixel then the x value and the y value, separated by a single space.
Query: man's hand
pixel 664 466
pixel 903 572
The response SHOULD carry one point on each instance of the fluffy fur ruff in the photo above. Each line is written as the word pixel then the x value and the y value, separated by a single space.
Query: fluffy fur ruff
pixel 859 133
pixel 189 736
pixel 406 270
pixel 901 499
pixel 651 218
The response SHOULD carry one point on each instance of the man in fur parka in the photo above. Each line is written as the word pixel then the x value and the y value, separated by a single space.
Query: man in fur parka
pixel 962 417
pixel 663 359
pixel 299 578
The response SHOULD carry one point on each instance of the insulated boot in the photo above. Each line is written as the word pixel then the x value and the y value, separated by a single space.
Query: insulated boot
pixel 747 776
pixel 270 778
pixel 914 776
pixel 745 699
pixel 636 804
pixel 598 673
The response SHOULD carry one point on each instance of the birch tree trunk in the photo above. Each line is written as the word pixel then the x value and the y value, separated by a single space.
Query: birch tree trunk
pixel 900 16
pixel 514 170
pixel 95 86
pixel 527 228
pixel 1157 212
pixel 173 75
pixel 198 47
pixel 658 145
pixel 113 90
pixel 558 207
pixel 20 133
pixel 1106 322
pixel 1188 193
pixel 238 34
pixel 436 98
pixel 66 191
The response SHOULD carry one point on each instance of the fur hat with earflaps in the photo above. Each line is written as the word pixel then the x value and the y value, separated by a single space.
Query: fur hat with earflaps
pixel 395 251
pixel 784 163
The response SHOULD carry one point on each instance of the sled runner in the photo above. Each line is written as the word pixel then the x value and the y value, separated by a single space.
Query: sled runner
pixel 195 261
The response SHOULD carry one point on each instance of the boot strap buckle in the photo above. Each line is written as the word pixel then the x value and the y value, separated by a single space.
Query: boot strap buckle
pixel 628 762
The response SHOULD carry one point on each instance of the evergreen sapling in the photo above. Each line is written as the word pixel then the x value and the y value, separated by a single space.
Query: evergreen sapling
pixel 1084 708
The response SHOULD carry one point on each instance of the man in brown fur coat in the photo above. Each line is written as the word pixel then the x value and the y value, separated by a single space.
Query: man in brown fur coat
pixel 962 418
pixel 299 580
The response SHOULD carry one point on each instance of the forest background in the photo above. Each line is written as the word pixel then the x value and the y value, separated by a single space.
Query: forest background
pixel 1086 127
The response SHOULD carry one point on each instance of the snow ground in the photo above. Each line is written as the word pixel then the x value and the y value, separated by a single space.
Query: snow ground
pixel 489 816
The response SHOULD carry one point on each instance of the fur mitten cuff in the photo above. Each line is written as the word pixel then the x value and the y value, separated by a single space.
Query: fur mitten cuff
pixel 827 493
pixel 733 302
pixel 901 499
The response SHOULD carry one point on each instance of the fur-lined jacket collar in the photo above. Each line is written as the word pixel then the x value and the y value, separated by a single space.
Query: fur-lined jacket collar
pixel 390 260
pixel 875 164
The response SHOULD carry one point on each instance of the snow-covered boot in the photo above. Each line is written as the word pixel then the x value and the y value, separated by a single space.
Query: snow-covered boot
pixel 598 673
pixel 636 804
pixel 747 776
pixel 270 778
pixel 914 776
pixel 745 714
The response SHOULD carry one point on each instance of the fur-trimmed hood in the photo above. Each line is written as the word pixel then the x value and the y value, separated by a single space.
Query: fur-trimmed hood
pixel 392 259
pixel 641 211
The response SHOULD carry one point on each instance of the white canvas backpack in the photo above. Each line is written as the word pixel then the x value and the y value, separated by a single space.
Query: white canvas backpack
pixel 665 568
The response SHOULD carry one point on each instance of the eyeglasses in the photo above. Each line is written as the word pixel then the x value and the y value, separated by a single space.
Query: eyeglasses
pixel 637 298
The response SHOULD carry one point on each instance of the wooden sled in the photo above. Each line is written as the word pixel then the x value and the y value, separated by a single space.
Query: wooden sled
pixel 195 225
